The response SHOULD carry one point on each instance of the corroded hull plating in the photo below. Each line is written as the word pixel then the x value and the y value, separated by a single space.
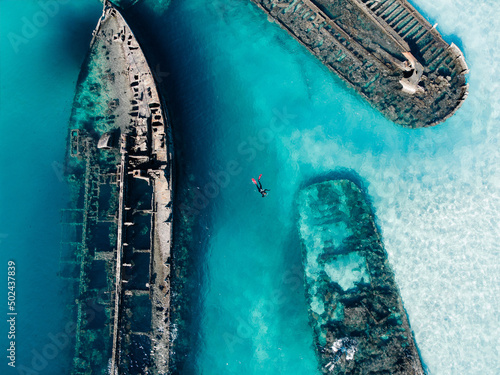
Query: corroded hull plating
pixel 121 160
pixel 360 325
pixel 385 50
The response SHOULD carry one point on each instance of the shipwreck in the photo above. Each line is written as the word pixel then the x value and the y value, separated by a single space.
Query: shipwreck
pixel 356 311
pixel 116 248
pixel 383 49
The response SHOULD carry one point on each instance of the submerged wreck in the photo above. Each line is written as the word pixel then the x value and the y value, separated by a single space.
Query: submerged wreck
pixel 360 325
pixel 117 236
pixel 385 50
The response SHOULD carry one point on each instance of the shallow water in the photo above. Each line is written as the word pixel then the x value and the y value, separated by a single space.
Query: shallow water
pixel 240 89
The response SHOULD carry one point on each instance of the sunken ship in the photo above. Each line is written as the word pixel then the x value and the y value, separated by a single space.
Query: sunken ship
pixel 385 50
pixel 355 308
pixel 117 235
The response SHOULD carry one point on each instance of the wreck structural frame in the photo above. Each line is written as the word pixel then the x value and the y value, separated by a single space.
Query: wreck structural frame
pixel 127 144
pixel 418 81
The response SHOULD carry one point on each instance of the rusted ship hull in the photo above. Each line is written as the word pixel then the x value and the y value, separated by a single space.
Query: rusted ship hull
pixel 121 165
pixel 360 325
pixel 385 50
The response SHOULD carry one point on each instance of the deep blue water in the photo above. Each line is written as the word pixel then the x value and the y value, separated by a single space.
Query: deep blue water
pixel 37 81
pixel 242 92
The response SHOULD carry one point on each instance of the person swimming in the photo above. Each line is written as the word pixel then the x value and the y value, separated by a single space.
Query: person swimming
pixel 259 186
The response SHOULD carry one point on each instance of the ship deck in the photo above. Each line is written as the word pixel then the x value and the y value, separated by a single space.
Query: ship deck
pixel 121 166
pixel 383 49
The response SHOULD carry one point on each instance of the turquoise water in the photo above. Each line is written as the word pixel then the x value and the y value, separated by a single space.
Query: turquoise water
pixel 242 92
pixel 37 83
pixel 435 191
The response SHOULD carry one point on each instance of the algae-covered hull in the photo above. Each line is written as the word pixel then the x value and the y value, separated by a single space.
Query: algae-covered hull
pixel 120 164
pixel 360 325
pixel 385 50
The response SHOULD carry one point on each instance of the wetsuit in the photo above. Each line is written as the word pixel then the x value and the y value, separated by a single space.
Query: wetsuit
pixel 259 187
